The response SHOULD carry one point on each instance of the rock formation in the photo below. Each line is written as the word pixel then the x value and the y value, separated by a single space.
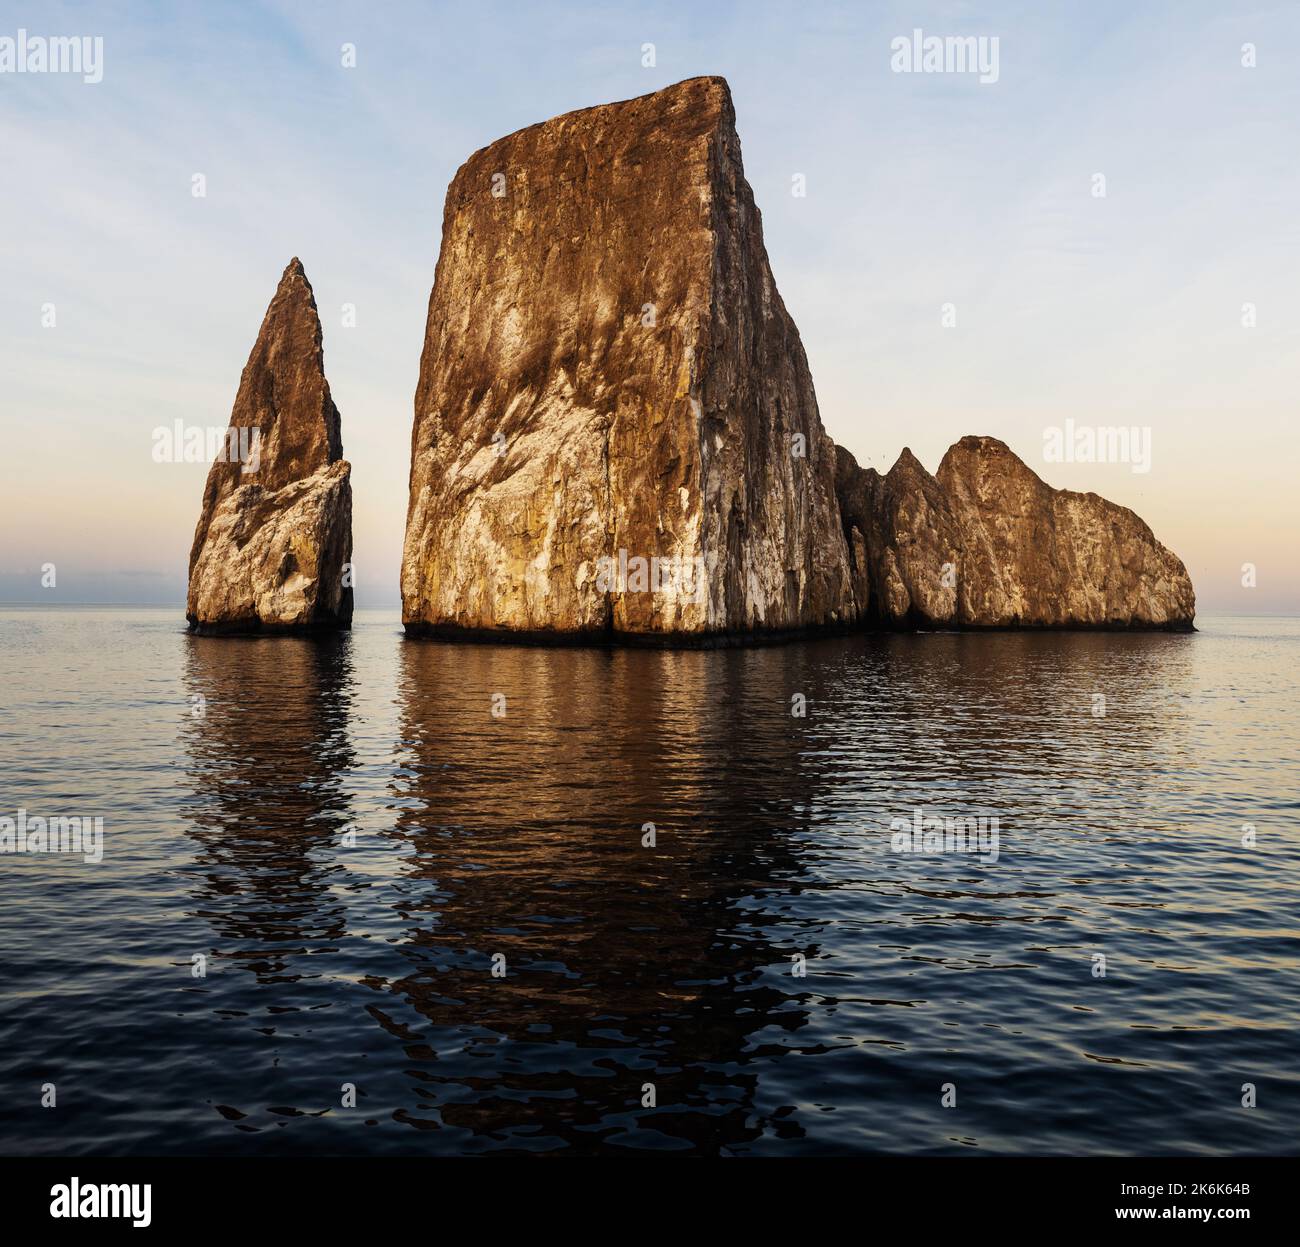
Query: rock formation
pixel 985 543
pixel 616 434
pixel 276 526
pixel 615 429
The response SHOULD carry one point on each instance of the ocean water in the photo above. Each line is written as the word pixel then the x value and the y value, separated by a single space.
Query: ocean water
pixel 419 871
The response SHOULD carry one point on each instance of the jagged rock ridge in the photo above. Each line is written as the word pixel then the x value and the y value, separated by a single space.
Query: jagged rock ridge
pixel 985 543
pixel 610 379
pixel 275 531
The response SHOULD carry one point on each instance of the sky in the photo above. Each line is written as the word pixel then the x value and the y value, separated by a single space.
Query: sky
pixel 951 267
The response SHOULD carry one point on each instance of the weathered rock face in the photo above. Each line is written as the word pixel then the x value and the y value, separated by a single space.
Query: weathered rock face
pixel 987 544
pixel 609 377
pixel 276 527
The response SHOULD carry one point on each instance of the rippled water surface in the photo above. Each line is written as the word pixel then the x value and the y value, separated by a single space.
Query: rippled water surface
pixel 368 959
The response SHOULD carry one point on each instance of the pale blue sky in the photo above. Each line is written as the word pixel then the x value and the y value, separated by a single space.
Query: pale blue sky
pixel 922 190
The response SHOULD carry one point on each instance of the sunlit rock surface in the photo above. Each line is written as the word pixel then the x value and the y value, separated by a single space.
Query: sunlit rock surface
pixel 275 531
pixel 615 433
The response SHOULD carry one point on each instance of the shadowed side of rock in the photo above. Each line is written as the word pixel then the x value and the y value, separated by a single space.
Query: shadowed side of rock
pixel 615 434
pixel 274 537
pixel 901 535
pixel 986 543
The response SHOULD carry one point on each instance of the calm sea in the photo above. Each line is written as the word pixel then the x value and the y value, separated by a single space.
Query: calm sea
pixel 419 870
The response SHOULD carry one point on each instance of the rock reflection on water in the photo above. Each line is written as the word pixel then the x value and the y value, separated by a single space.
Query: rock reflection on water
pixel 269 747
pixel 630 964
pixel 515 839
